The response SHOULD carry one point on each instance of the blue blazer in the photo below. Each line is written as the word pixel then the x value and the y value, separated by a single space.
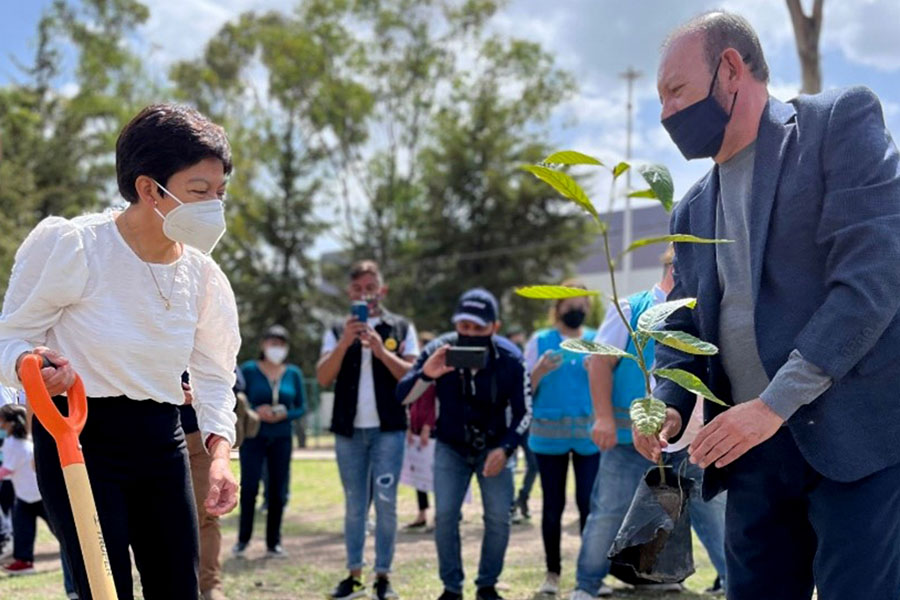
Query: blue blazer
pixel 825 265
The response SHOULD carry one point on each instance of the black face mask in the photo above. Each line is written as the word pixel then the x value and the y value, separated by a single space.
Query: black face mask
pixel 474 341
pixel 699 129
pixel 573 318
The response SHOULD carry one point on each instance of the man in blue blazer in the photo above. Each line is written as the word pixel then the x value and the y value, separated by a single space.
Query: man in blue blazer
pixel 804 308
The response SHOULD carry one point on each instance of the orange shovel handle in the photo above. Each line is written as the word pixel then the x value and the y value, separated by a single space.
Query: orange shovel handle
pixel 65 430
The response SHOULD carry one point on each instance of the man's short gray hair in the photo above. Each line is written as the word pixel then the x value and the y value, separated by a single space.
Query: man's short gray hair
pixel 722 30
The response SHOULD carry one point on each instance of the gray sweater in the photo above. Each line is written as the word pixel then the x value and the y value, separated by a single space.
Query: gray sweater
pixel 798 382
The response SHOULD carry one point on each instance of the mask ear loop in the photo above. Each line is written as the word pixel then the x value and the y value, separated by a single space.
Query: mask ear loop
pixel 712 85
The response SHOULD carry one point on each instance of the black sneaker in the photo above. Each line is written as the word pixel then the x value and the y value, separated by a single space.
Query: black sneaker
pixel 488 593
pixel 523 508
pixel 448 595
pixel 382 589
pixel 716 589
pixel 348 589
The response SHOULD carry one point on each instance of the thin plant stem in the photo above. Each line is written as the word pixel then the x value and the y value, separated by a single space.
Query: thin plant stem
pixel 638 345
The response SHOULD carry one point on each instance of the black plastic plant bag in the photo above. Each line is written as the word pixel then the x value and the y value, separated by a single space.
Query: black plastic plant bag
pixel 654 541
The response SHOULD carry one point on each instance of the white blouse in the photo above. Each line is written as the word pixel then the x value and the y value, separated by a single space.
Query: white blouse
pixel 78 288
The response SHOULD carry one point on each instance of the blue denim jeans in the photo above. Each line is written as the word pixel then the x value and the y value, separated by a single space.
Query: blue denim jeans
pixel 621 471
pixel 370 456
pixel 452 475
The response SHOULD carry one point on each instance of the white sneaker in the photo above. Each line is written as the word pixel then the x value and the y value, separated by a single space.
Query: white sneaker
pixel 581 595
pixel 605 591
pixel 550 585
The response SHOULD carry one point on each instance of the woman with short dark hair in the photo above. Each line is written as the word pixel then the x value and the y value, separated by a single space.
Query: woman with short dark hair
pixel 129 299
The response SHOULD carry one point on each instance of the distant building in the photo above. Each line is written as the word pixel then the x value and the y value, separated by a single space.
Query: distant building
pixel 649 221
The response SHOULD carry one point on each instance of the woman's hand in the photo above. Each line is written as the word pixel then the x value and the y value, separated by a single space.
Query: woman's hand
pixel 58 378
pixel 223 487
pixel 549 362
pixel 424 436
pixel 265 412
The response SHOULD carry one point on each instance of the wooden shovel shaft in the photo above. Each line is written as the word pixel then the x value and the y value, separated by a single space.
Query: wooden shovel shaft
pixel 65 432
pixel 90 537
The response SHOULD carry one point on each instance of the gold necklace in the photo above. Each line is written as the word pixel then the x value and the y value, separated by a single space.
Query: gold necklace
pixel 166 301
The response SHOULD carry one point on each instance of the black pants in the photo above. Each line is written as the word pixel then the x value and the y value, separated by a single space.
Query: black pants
pixel 137 463
pixel 25 516
pixel 787 528
pixel 275 453
pixel 422 498
pixel 554 469
pixel 7 500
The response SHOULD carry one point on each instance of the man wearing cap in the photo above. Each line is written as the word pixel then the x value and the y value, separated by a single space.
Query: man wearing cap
pixel 482 414
pixel 364 359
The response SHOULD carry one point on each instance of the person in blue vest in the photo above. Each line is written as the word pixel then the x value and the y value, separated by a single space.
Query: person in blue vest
pixel 614 385
pixel 562 417
pixel 274 389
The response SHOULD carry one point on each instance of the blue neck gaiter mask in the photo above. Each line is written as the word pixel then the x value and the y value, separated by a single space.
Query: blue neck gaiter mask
pixel 698 129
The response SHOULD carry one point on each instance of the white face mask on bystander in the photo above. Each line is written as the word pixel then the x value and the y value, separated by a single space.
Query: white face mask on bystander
pixel 198 224
pixel 275 354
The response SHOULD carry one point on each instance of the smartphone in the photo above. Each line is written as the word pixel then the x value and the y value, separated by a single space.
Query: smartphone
pixel 466 357
pixel 361 310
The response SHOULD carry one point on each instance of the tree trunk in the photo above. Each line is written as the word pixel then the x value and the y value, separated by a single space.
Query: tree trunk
pixel 806 34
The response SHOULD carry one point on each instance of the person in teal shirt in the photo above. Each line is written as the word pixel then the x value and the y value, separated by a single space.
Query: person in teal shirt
pixel 274 389
pixel 562 421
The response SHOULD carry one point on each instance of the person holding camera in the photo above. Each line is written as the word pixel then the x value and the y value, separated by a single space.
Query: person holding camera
pixel 480 379
pixel 274 389
pixel 364 356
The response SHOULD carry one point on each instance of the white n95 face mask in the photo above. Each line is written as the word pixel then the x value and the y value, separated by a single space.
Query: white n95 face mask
pixel 199 224
pixel 275 354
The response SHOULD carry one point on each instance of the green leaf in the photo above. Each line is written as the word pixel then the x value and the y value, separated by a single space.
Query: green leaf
pixel 660 181
pixel 678 237
pixel 648 193
pixel 648 415
pixel 571 157
pixel 553 292
pixel 688 381
pixel 586 347
pixel 684 342
pixel 620 168
pixel 655 316
pixel 565 185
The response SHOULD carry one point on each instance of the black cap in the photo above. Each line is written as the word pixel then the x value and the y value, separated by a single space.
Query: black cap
pixel 477 305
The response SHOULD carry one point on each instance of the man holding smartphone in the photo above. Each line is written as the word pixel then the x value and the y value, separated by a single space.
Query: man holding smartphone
pixel 484 408
pixel 364 356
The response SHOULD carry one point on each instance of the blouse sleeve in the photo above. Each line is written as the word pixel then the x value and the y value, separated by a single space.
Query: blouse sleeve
pixel 49 274
pixel 214 357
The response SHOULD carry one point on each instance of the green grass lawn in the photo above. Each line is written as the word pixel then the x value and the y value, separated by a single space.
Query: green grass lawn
pixel 312 537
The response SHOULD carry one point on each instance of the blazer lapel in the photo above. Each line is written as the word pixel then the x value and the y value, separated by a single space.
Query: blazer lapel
pixel 703 224
pixel 776 124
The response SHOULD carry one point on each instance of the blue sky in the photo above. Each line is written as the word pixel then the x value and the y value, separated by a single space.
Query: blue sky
pixel 596 39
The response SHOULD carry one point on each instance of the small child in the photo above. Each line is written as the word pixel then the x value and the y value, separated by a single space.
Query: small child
pixel 18 466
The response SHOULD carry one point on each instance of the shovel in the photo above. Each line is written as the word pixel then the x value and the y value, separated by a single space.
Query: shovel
pixel 65 431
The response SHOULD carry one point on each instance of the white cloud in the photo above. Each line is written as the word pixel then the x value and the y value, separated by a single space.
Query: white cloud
pixel 866 31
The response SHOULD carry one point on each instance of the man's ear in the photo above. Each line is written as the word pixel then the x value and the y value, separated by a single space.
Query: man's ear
pixel 384 291
pixel 497 325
